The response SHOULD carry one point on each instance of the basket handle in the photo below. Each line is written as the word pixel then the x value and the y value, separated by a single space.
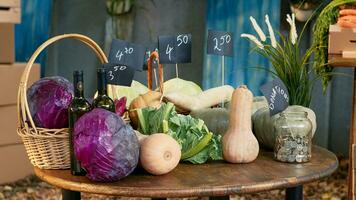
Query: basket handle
pixel 154 55
pixel 24 114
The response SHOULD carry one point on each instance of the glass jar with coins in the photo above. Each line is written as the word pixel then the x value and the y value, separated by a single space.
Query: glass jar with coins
pixel 294 135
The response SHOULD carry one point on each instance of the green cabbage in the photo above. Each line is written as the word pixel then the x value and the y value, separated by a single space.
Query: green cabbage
pixel 181 86
pixel 117 91
pixel 137 88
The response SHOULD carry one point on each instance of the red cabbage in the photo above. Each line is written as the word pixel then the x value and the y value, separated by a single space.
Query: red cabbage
pixel 120 106
pixel 105 146
pixel 48 100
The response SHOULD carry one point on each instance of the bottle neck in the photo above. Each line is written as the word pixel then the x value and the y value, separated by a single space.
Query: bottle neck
pixel 102 83
pixel 78 85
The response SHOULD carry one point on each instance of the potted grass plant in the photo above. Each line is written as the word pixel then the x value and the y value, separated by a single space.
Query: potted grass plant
pixel 290 132
pixel 289 63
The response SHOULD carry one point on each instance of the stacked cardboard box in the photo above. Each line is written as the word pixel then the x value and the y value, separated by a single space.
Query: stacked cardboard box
pixel 13 158
pixel 10 13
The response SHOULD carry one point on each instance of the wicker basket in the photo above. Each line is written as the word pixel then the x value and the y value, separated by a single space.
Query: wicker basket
pixel 46 148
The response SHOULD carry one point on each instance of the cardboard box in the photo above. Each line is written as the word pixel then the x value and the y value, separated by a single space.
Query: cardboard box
pixel 10 11
pixel 8 124
pixel 10 76
pixel 7 43
pixel 15 164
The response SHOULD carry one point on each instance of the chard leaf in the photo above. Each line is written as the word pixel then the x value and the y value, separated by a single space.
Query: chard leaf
pixel 198 144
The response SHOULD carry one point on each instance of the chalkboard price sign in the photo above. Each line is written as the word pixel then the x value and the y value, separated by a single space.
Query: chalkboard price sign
pixel 277 96
pixel 119 74
pixel 175 49
pixel 126 53
pixel 184 48
pixel 220 43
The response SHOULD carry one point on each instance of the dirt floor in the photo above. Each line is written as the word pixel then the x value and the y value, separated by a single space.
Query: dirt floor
pixel 331 188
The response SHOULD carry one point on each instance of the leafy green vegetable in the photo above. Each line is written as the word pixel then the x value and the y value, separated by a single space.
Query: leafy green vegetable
pixel 151 119
pixel 197 142
pixel 212 151
pixel 191 133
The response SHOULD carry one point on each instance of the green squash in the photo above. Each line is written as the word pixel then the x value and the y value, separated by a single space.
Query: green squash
pixel 263 124
pixel 216 119
pixel 259 102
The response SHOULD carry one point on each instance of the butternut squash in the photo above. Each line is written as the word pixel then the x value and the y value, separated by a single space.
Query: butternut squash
pixel 159 153
pixel 239 144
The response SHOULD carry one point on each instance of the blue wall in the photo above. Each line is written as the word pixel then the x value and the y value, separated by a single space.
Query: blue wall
pixel 33 30
pixel 233 15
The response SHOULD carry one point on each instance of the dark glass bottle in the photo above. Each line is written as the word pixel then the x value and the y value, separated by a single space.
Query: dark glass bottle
pixel 77 108
pixel 103 100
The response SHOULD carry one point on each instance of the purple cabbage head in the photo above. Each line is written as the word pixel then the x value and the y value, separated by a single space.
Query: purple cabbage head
pixel 105 146
pixel 48 100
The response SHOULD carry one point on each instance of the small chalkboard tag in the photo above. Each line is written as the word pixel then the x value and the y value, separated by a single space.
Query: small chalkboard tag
pixel 175 49
pixel 126 53
pixel 277 96
pixel 183 48
pixel 119 74
pixel 220 43
pixel 148 52
pixel 166 49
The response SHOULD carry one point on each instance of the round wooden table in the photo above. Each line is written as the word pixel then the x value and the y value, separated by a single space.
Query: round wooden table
pixel 212 179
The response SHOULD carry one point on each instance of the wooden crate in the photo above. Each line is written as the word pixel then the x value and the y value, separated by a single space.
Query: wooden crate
pixel 10 11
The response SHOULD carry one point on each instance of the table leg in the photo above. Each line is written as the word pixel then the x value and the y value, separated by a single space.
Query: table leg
pixel 352 140
pixel 294 193
pixel 70 195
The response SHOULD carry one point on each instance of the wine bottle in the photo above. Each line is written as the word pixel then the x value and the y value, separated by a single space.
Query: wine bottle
pixel 103 100
pixel 77 108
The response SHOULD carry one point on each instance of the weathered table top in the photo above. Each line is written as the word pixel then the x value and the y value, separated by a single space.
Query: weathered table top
pixel 213 179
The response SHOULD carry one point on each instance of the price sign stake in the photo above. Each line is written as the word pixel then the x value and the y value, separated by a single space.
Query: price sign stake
pixel 277 96
pixel 175 49
pixel 220 43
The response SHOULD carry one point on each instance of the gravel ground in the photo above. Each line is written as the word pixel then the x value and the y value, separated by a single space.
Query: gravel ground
pixel 331 188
